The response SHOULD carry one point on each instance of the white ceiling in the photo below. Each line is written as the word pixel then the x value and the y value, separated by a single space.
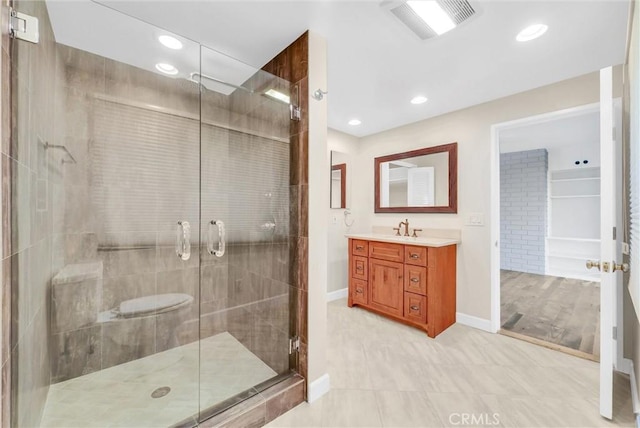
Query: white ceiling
pixel 375 64
pixel 583 130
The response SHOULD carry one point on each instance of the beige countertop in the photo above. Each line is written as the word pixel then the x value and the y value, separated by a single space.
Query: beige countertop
pixel 423 241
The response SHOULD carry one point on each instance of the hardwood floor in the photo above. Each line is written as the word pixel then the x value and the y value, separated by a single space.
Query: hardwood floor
pixel 385 374
pixel 560 311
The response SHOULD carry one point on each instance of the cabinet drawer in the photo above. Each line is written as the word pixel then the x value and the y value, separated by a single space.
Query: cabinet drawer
pixel 358 291
pixel 415 255
pixel 359 247
pixel 386 251
pixel 415 279
pixel 359 268
pixel 415 307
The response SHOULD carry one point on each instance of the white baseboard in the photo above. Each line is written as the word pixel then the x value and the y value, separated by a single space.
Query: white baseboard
pixel 337 295
pixel 475 322
pixel 626 366
pixel 635 403
pixel 318 388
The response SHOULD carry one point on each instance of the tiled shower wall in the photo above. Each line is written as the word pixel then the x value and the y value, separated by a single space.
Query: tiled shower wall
pixel 292 64
pixel 56 197
pixel 523 210
pixel 132 184
pixel 29 173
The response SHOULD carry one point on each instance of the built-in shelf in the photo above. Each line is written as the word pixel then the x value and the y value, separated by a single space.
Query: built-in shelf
pixel 559 180
pixel 575 196
pixel 565 256
pixel 562 238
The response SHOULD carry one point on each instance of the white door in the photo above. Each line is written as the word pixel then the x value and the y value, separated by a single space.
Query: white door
pixel 609 269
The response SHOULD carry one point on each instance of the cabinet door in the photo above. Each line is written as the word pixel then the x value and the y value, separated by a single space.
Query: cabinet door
pixel 386 286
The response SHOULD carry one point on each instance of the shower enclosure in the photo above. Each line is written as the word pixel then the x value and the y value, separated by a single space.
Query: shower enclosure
pixel 150 213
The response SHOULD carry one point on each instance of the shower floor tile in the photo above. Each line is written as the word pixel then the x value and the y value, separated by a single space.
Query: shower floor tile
pixel 210 371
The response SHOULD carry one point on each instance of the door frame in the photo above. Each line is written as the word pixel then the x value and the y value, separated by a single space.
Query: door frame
pixel 495 209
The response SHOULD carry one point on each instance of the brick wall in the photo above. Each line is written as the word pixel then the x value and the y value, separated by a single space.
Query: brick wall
pixel 523 210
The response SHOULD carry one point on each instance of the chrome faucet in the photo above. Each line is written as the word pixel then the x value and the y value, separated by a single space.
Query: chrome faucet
pixel 404 223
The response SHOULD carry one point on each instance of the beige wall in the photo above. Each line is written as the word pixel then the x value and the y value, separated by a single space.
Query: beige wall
pixel 337 257
pixel 471 128
pixel 319 175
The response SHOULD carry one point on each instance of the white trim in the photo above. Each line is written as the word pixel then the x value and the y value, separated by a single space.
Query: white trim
pixel 635 403
pixel 625 366
pixel 318 388
pixel 475 322
pixel 337 294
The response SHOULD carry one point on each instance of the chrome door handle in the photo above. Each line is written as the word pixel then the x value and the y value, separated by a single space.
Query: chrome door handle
pixel 593 264
pixel 183 238
pixel 221 238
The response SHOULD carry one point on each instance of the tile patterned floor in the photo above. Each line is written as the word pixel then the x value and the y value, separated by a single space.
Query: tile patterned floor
pixel 384 374
pixel 120 396
pixel 557 310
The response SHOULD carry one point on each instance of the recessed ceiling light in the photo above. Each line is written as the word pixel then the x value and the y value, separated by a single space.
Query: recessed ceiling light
pixel 419 100
pixel 170 42
pixel 278 96
pixel 531 32
pixel 354 122
pixel 433 14
pixel 166 68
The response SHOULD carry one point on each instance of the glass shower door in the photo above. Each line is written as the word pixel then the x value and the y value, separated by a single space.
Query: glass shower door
pixel 245 322
pixel 105 168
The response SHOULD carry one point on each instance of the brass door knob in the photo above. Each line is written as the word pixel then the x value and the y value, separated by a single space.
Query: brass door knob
pixel 624 267
pixel 593 264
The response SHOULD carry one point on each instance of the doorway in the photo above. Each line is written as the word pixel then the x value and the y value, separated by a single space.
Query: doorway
pixel 549 227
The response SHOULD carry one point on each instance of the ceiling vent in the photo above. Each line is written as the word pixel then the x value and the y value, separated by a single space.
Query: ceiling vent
pixel 458 10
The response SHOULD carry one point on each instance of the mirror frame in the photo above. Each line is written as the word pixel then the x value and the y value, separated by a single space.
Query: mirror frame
pixel 452 149
pixel 342 167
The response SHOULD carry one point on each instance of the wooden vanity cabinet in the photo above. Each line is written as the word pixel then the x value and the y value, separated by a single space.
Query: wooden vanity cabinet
pixel 413 284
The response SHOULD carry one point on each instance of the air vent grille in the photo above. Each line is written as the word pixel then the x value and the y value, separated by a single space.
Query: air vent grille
pixel 459 10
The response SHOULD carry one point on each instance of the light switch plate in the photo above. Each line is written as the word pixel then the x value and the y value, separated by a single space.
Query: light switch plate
pixel 475 219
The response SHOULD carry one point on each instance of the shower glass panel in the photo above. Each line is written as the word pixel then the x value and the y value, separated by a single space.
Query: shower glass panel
pixel 245 279
pixel 151 279
pixel 105 310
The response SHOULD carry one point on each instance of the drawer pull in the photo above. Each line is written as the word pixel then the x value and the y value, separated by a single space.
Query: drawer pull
pixel 415 256
pixel 415 279
pixel 359 268
pixel 359 247
pixel 359 290
pixel 415 308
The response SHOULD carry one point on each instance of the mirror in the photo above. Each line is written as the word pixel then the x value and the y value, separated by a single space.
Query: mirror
pixel 419 181
pixel 339 163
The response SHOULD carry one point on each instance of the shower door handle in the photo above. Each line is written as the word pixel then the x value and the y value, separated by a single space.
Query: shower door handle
pixel 183 240
pixel 221 238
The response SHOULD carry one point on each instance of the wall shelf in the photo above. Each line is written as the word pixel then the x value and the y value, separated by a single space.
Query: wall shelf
pixel 561 180
pixel 574 196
